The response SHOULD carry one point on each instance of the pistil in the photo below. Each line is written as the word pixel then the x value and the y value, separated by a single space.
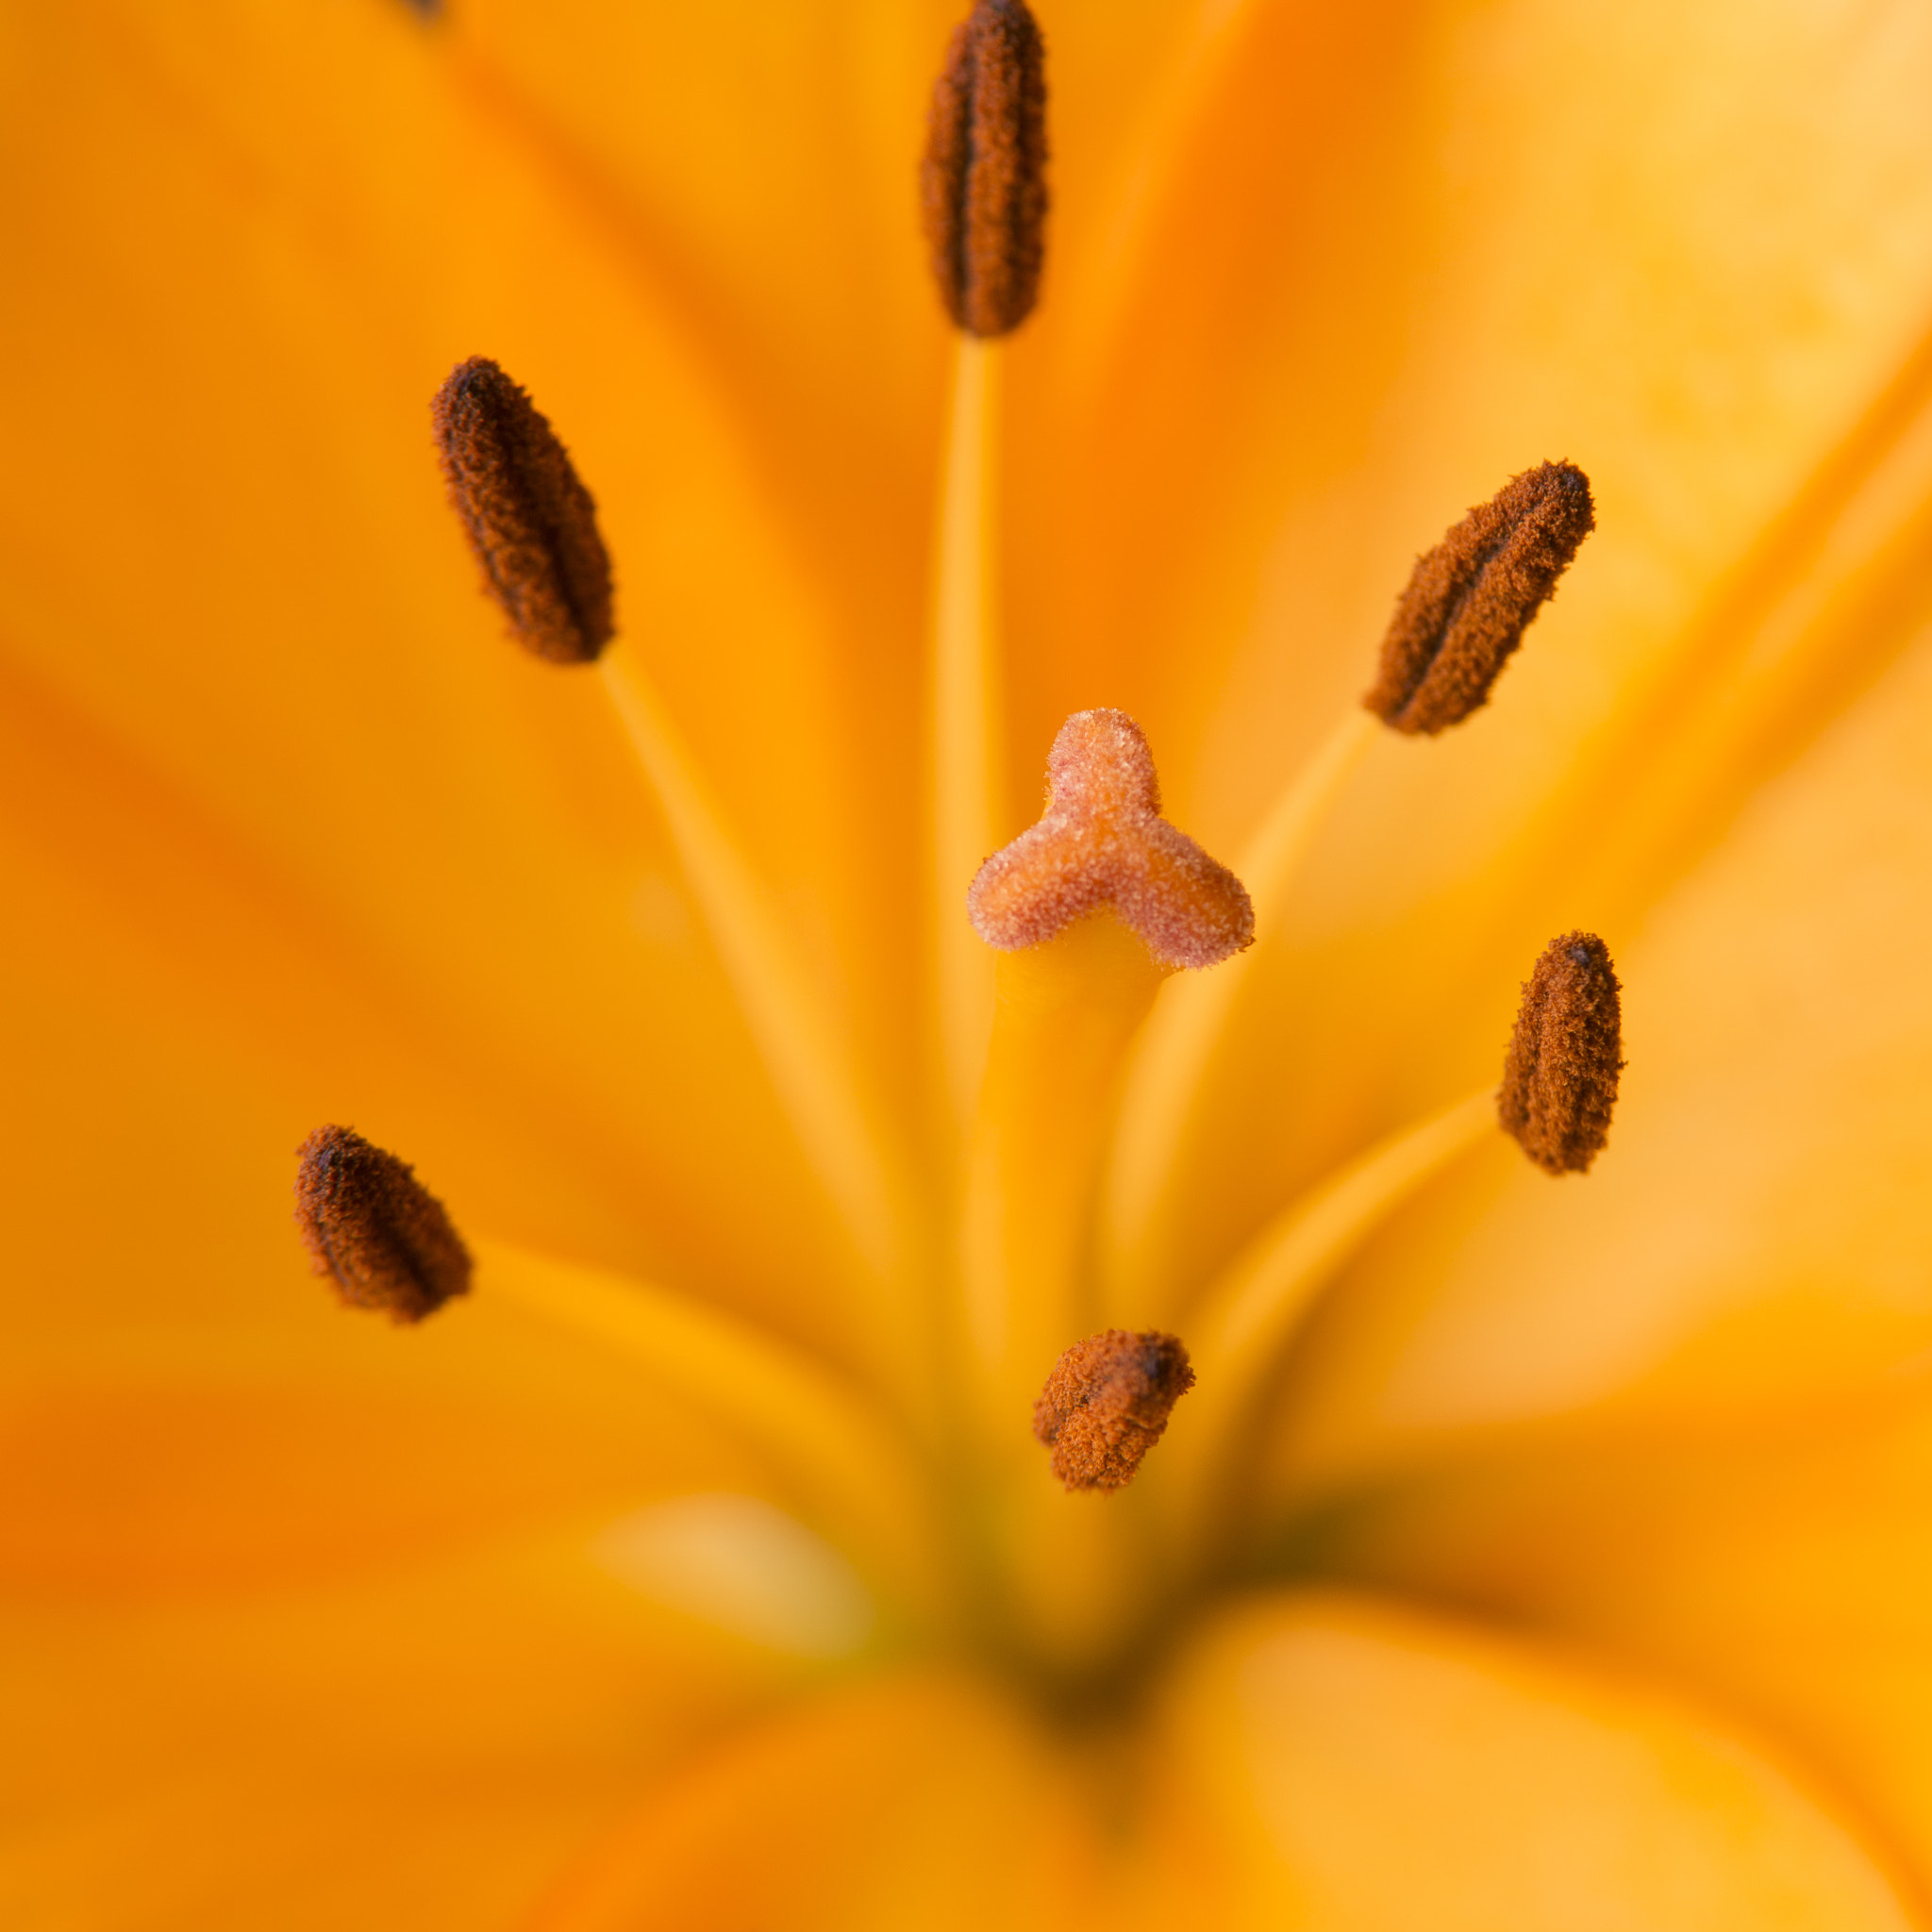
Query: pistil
pixel 1100 842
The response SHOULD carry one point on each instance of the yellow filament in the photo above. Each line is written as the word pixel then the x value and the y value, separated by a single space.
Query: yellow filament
pixel 1063 1015
pixel 850 1472
pixel 1238 1335
pixel 809 1064
pixel 965 750
pixel 1172 1055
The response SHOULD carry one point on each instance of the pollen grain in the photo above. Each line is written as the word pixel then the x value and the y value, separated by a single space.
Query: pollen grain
pixel 983 183
pixel 530 521
pixel 1107 1403
pixel 1559 1077
pixel 375 1229
pixel 1472 597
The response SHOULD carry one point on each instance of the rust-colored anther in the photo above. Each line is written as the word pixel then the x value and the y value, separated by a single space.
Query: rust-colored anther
pixel 983 185
pixel 1102 841
pixel 1107 1403
pixel 1473 597
pixel 530 520
pixel 1559 1077
pixel 375 1229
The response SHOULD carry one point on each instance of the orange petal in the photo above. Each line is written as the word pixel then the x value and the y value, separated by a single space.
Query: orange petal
pixel 1755 1232
pixel 281 615
pixel 422 1748
pixel 1783 1568
pixel 1330 1761
pixel 1607 297
pixel 917 1800
pixel 276 1474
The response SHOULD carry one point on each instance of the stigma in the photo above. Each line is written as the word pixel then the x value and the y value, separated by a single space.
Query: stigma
pixel 1559 1077
pixel 1101 843
pixel 1107 1403
pixel 375 1229
pixel 529 519
pixel 1472 597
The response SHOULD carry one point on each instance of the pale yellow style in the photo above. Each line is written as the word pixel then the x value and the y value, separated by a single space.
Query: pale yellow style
pixel 1548 1555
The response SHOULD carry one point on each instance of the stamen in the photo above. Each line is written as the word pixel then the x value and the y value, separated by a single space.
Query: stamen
pixel 1102 841
pixel 371 1225
pixel 1560 1078
pixel 1473 597
pixel 1105 1404
pixel 530 520
pixel 983 184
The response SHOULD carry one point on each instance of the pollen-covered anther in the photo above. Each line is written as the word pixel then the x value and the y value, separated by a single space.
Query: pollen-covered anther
pixel 1473 597
pixel 1107 1403
pixel 983 185
pixel 375 1229
pixel 1559 1077
pixel 1102 841
pixel 530 521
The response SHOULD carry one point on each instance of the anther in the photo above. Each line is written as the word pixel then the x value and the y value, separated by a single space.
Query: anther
pixel 371 1225
pixel 1473 597
pixel 983 185
pixel 530 520
pixel 1102 841
pixel 1559 1077
pixel 1107 1403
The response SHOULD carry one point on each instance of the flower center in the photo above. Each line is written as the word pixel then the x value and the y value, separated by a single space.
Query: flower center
pixel 1085 978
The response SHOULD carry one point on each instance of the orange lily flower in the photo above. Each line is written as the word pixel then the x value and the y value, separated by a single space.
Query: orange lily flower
pixel 1533 1552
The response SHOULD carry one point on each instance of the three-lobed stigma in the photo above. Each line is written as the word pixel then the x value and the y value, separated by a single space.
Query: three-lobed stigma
pixel 1559 1075
pixel 1107 1403
pixel 983 184
pixel 375 1229
pixel 1100 842
pixel 1472 597
pixel 530 521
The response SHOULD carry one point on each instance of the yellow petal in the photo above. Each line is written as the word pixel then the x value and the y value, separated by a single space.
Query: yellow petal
pixel 1330 1761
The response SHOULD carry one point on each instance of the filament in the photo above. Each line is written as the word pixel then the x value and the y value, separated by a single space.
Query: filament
pixel 854 1472
pixel 809 1064
pixel 1240 1330
pixel 1175 1049
pixel 965 742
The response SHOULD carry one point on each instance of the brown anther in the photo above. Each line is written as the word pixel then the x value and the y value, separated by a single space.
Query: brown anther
pixel 530 520
pixel 983 185
pixel 1473 597
pixel 1107 1403
pixel 371 1225
pixel 1559 1077
pixel 1102 841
